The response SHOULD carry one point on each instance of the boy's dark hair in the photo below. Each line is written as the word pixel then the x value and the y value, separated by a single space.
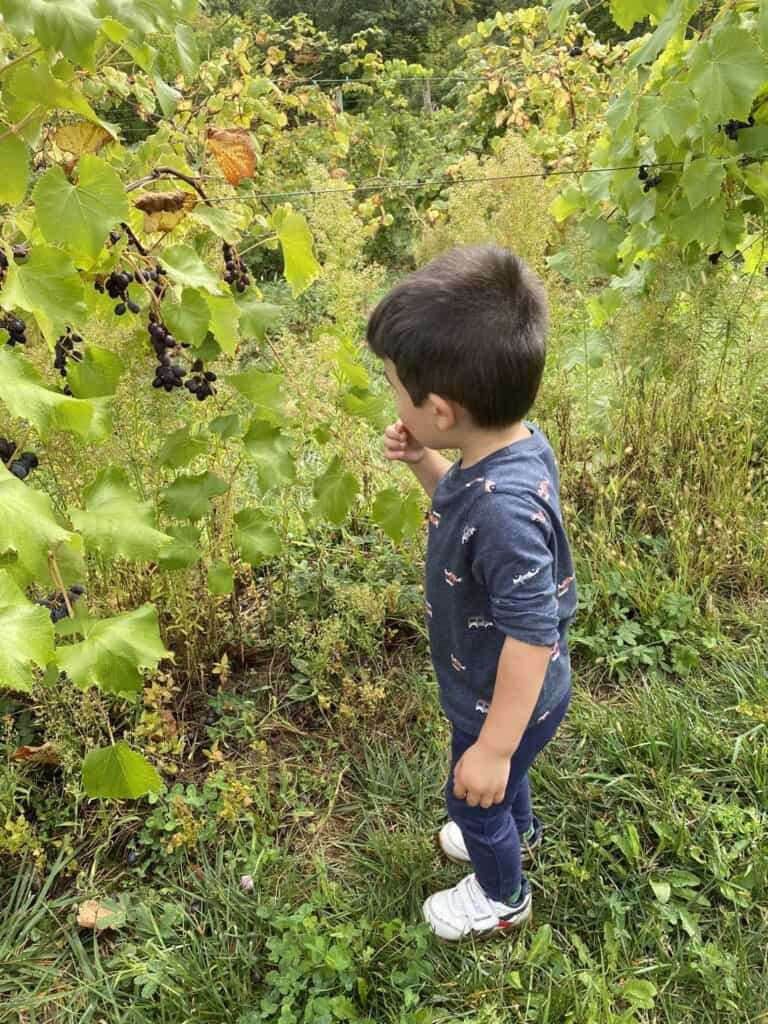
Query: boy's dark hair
pixel 470 326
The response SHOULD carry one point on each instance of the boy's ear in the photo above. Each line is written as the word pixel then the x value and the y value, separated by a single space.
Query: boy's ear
pixel 444 411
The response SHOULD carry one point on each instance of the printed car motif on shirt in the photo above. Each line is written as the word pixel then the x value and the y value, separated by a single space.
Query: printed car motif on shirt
pixel 451 578
pixel 524 577
pixel 564 586
pixel 434 517
pixel 488 485
pixel 428 606
pixel 483 707
pixel 457 664
pixel 539 517
pixel 467 532
pixel 544 490
pixel 479 622
pixel 555 651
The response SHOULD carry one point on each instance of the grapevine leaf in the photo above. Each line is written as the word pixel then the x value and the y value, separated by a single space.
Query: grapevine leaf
pixel 180 447
pixel 66 25
pixel 184 551
pixel 114 651
pixel 28 528
pixel 255 538
pixel 368 406
pixel 225 314
pixel 270 450
pixel 226 426
pixel 627 13
pixel 188 496
pixel 22 391
pixel 115 523
pixel 301 267
pixel 49 287
pixel 167 96
pixel 223 223
pixel 29 82
pixel 398 515
pixel 701 180
pixel 118 773
pixel 558 15
pixel 675 18
pixel 187 320
pixel 257 317
pixel 233 151
pixel 14 160
pixel 673 117
pixel 703 225
pixel 96 375
pixel 726 72
pixel 335 490
pixel 26 636
pixel 264 390
pixel 187 50
pixel 185 267
pixel 221 578
pixel 79 216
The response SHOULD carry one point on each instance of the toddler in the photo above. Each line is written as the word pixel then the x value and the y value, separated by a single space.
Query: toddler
pixel 463 343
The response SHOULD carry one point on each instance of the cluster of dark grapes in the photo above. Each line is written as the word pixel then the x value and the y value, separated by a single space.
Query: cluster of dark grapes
pixel 168 375
pixel 575 51
pixel 732 127
pixel 3 266
pixel 650 180
pixel 16 329
pixel 22 466
pixel 66 348
pixel 201 383
pixel 116 287
pixel 235 272
pixel 714 257
pixel 56 604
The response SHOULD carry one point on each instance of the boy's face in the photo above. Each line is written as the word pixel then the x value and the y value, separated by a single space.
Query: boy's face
pixel 431 424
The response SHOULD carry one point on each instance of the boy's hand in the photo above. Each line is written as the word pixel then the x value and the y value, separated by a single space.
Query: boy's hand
pixel 400 444
pixel 480 776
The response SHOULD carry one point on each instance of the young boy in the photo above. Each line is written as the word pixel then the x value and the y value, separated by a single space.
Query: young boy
pixel 463 342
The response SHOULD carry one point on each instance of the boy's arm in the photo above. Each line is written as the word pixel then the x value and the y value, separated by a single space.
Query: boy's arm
pixel 480 776
pixel 430 469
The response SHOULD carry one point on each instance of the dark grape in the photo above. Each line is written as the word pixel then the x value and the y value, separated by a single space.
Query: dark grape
pixel 20 469
pixel 77 589
pixel 643 173
pixel 714 257
pixel 133 306
pixel 120 308
pixel 30 459
pixel 131 857
pixel 575 51
pixel 15 327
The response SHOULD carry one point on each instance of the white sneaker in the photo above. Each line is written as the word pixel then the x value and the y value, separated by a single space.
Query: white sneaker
pixel 465 911
pixel 455 849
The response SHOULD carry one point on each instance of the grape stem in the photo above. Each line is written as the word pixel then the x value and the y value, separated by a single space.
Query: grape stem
pixel 53 568
pixel 162 172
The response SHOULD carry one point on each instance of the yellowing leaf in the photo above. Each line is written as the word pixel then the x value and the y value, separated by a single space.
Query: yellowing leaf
pixel 234 153
pixel 164 210
pixel 82 137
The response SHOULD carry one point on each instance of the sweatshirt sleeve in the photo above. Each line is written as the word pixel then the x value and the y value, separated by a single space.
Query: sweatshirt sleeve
pixel 512 559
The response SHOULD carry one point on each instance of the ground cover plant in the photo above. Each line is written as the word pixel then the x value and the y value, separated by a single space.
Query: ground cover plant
pixel 222 751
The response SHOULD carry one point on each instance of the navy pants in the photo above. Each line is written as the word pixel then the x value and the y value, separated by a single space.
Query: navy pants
pixel 492 835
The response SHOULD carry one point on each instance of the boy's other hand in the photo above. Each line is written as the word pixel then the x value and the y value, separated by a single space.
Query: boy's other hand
pixel 401 446
pixel 480 776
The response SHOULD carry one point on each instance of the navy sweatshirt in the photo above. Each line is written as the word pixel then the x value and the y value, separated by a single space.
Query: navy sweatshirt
pixel 498 564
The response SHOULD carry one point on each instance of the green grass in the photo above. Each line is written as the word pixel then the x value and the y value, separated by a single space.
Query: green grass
pixel 657 783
